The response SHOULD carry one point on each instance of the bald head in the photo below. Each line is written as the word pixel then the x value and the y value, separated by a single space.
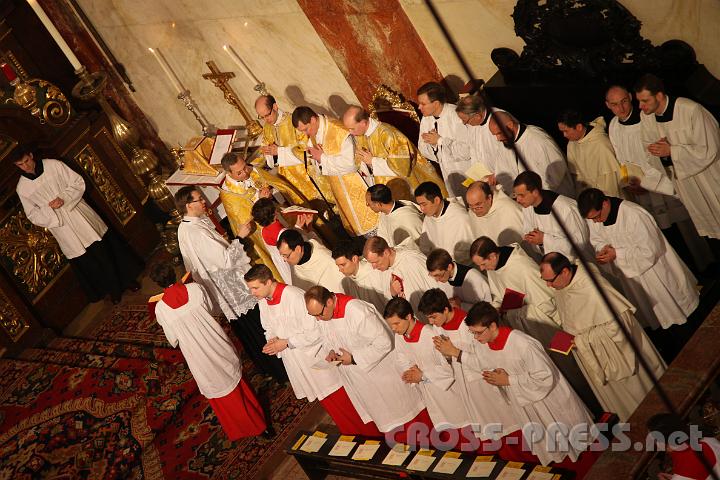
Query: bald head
pixel 266 108
pixel 356 119
pixel 479 198
pixel 506 120
pixel 619 101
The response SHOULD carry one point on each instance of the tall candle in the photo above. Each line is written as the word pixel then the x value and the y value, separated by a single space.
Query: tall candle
pixel 236 58
pixel 55 34
pixel 168 71
pixel 8 71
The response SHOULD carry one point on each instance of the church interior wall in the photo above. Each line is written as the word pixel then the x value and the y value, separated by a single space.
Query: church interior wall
pixel 281 47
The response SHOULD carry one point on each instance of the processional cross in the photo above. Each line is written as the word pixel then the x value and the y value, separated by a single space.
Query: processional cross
pixel 220 80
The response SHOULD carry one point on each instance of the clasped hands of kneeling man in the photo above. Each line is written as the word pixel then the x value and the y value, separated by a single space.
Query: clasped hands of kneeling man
pixel 343 357
pixel 497 377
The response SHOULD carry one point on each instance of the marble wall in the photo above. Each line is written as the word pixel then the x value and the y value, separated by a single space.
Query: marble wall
pixel 282 48
pixel 274 37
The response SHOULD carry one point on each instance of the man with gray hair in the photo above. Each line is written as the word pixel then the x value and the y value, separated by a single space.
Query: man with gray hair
pixel 484 149
pixel 536 147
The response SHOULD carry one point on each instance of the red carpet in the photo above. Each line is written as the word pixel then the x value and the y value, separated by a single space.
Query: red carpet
pixel 119 404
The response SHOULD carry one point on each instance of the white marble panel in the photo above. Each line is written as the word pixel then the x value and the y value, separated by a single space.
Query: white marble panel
pixel 274 38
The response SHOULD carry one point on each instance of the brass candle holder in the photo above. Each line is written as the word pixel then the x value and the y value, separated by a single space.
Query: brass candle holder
pixel 143 162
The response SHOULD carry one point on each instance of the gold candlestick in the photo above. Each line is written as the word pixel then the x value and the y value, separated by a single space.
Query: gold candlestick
pixel 143 162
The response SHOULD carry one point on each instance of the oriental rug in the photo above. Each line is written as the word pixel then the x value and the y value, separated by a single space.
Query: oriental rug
pixel 120 403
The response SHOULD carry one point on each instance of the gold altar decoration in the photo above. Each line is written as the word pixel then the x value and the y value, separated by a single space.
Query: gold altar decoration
pixel 220 80
pixel 196 157
pixel 41 98
pixel 143 162
pixel 12 323
pixel 105 184
pixel 7 143
pixel 34 253
pixel 385 99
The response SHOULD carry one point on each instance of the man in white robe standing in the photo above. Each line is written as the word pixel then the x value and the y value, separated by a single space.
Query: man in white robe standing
pixel 354 334
pixel 295 337
pixel 493 214
pixel 604 355
pixel 536 147
pixel 399 221
pixel 443 137
pixel 483 146
pixel 51 196
pixel 408 274
pixel 469 285
pixel 541 397
pixel 686 139
pixel 446 224
pixel 628 241
pixel 541 229
pixel 361 280
pixel 219 267
pixel 647 182
pixel 310 262
pixel 590 155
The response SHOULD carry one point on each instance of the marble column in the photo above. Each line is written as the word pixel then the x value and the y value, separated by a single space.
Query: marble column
pixel 75 34
pixel 372 42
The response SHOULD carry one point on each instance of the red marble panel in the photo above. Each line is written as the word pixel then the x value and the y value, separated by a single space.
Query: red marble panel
pixel 372 42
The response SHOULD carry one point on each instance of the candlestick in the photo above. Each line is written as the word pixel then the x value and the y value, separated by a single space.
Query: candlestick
pixel 55 34
pixel 9 72
pixel 177 84
pixel 236 58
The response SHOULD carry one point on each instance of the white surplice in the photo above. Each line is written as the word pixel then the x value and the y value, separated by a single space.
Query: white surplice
pixel 285 316
pixel 660 199
pixel 74 225
pixel 410 266
pixel 402 226
pixel 319 269
pixel 449 231
pixel 503 223
pixel 373 383
pixel 654 278
pixel 484 147
pixel 469 285
pixel 694 139
pixel 542 155
pixel 209 353
pixel 443 397
pixel 217 265
pixel 451 152
pixel 538 392
pixel 520 273
pixel 603 354
pixel 592 161
pixel 490 411
pixel 554 239
pixel 369 285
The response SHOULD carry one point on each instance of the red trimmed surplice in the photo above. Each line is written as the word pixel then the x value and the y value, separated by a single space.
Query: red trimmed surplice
pixel 239 412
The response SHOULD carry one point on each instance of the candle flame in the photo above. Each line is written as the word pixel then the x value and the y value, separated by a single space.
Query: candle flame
pixel 151 50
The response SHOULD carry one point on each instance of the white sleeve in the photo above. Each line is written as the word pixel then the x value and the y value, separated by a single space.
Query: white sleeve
pixel 425 148
pixel 74 186
pixel 40 215
pixel 166 326
pixel 342 163
pixel 643 245
pixel 374 339
pixel 537 379
pixel 381 168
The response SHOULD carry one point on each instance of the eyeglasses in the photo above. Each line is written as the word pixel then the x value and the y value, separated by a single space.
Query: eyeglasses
pixel 266 116
pixel 197 200
pixel 321 312
pixel 552 279
pixel 477 333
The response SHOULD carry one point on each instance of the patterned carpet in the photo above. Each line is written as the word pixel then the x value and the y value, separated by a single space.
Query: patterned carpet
pixel 118 404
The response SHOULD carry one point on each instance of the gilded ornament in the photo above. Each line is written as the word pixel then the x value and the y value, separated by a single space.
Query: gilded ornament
pixel 105 184
pixel 32 251
pixel 385 97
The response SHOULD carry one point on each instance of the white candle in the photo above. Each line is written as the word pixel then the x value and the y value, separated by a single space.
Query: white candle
pixel 236 58
pixel 55 34
pixel 168 71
